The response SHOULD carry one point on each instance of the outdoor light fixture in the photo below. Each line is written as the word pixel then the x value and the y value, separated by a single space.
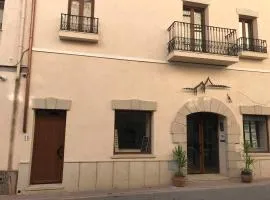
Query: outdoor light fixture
pixel 2 78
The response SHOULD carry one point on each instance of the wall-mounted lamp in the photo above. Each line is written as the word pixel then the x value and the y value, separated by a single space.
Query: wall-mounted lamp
pixel 229 98
pixel 2 78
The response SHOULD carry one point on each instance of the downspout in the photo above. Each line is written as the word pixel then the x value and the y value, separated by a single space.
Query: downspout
pixel 16 86
pixel 28 77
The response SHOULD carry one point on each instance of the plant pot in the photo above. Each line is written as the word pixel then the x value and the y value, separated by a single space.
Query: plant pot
pixel 246 177
pixel 179 181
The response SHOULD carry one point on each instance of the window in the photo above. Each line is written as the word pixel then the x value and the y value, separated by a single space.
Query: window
pixel 256 133
pixel 81 16
pixel 83 8
pixel 2 2
pixel 193 18
pixel 132 131
pixel 245 27
pixel 246 33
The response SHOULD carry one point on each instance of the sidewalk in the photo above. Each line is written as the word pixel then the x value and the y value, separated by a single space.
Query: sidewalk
pixel 146 193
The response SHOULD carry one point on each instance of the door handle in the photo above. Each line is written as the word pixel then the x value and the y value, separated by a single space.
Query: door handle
pixel 60 152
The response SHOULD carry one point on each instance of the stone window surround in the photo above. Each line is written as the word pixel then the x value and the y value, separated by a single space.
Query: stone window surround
pixel 247 12
pixel 257 110
pixel 203 2
pixel 134 104
pixel 51 104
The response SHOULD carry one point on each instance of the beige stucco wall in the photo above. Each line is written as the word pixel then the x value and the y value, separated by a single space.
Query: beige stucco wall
pixel 6 88
pixel 139 28
pixel 91 84
pixel 129 62
pixel 9 35
pixel 9 50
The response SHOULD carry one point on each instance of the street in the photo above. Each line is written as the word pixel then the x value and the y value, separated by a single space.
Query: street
pixel 258 191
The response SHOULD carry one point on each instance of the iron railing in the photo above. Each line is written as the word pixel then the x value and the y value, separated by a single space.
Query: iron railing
pixel 201 38
pixel 251 44
pixel 79 23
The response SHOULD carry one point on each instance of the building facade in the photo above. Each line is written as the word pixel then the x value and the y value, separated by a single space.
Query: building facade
pixel 12 53
pixel 115 86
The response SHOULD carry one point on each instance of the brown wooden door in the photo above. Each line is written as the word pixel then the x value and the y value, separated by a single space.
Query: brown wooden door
pixel 202 147
pixel 48 148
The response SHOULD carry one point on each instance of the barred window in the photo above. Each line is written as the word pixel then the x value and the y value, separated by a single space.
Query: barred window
pixel 256 133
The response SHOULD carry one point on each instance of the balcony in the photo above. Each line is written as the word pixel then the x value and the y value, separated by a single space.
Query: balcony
pixel 78 28
pixel 201 44
pixel 251 48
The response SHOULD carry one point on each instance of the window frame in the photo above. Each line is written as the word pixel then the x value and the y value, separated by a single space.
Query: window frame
pixel 254 150
pixel 194 9
pixel 150 151
pixel 249 21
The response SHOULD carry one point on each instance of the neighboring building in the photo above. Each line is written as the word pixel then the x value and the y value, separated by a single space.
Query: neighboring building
pixel 113 90
pixel 12 49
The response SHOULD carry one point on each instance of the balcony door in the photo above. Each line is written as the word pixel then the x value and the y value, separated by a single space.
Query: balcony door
pixel 194 20
pixel 246 33
pixel 81 15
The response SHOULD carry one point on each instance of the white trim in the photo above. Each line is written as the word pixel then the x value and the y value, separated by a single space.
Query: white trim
pixel 135 59
pixel 114 57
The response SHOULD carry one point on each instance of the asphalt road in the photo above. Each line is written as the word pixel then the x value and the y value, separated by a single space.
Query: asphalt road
pixel 241 192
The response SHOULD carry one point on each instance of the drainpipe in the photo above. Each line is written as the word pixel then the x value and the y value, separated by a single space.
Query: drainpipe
pixel 28 77
pixel 16 86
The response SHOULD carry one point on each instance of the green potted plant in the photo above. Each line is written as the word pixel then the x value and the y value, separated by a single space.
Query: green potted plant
pixel 247 172
pixel 179 155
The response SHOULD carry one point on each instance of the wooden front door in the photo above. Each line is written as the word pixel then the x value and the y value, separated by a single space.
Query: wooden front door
pixel 203 148
pixel 48 148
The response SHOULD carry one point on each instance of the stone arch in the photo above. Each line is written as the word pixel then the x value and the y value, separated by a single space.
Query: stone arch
pixel 213 105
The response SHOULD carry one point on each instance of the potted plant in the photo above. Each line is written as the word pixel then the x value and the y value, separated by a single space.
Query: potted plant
pixel 247 172
pixel 179 155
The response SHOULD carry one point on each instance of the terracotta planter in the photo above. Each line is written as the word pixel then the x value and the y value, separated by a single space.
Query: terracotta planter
pixel 246 178
pixel 179 181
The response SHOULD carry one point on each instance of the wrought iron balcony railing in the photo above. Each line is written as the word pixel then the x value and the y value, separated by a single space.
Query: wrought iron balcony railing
pixel 251 44
pixel 79 23
pixel 201 38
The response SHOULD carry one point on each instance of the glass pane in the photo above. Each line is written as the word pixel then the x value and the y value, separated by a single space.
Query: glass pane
pixel 186 16
pixel 247 34
pixel 87 10
pixel 74 10
pixel 133 130
pixel 197 18
pixel 198 31
pixel 75 7
pixel 240 30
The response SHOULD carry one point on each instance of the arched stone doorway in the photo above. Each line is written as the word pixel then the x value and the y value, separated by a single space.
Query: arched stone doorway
pixel 232 130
